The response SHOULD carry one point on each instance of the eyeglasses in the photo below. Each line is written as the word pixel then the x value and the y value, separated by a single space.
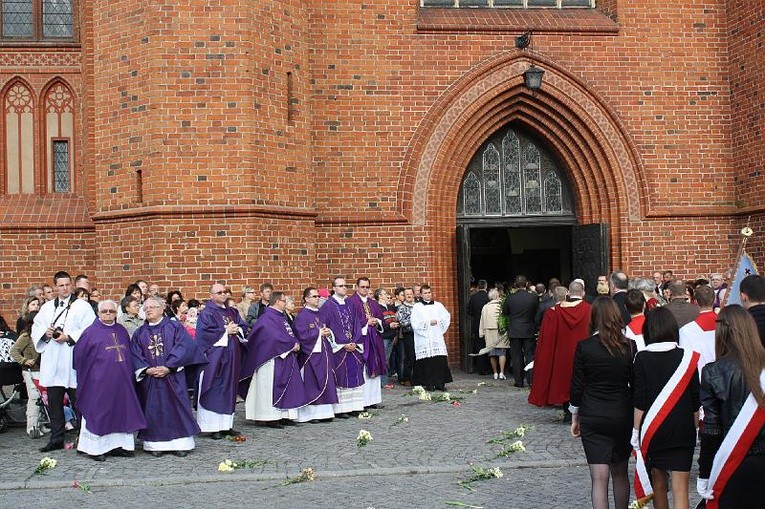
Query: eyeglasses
pixel 219 293
pixel 363 286
pixel 341 286
pixel 109 311
pixel 153 307
pixel 314 296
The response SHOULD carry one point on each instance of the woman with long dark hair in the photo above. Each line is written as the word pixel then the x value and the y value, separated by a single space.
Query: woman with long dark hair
pixel 601 402
pixel 666 395
pixel 733 436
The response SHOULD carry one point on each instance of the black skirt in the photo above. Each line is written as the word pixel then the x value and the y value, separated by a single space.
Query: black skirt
pixel 432 372
pixel 676 459
pixel 745 488
pixel 606 440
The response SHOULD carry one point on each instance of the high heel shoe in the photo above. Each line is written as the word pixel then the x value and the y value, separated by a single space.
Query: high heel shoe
pixel 496 376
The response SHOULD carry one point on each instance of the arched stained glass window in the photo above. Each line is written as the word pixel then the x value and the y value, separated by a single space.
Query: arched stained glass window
pixel 472 195
pixel 491 180
pixel 520 179
pixel 511 151
pixel 18 109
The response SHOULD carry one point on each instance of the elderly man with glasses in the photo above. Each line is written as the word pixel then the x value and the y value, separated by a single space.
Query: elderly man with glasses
pixel 106 395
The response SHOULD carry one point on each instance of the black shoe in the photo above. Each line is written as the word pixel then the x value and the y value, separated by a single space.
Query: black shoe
pixel 343 416
pixel 156 454
pixel 232 433
pixel 441 388
pixel 122 453
pixel 181 454
pixel 520 386
pixel 274 424
pixel 314 421
pixel 52 447
pixel 377 406
pixel 99 458
pixel 287 422
pixel 216 436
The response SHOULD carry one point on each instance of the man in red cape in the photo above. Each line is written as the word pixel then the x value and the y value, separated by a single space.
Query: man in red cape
pixel 563 326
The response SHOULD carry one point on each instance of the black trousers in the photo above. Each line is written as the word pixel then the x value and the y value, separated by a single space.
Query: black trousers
pixel 482 361
pixel 521 353
pixel 407 362
pixel 56 411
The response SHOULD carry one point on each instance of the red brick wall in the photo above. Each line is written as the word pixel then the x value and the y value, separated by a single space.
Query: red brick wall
pixel 652 110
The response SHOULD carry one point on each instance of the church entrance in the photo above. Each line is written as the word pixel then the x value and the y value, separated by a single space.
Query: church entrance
pixel 515 216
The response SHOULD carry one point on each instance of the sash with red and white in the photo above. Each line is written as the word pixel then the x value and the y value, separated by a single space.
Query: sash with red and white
pixel 735 446
pixel 656 415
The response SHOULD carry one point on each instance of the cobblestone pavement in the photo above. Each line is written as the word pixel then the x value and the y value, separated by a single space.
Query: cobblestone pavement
pixel 418 463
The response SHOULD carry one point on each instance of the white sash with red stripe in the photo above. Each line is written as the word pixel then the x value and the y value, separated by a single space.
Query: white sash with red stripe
pixel 656 415
pixel 736 445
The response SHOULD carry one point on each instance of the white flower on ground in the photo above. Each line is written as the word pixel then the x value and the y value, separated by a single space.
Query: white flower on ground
pixel 517 446
pixel 496 472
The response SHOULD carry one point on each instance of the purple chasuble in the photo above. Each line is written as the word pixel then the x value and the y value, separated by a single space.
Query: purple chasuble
pixel 106 392
pixel 165 401
pixel 374 349
pixel 318 378
pixel 270 338
pixel 348 366
pixel 221 374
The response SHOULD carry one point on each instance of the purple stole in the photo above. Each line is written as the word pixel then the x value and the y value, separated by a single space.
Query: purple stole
pixel 374 349
pixel 348 366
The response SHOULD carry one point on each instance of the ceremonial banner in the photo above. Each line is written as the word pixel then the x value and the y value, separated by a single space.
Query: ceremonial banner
pixel 744 267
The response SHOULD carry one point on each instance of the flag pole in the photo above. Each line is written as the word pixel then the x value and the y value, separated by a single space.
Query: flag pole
pixel 746 232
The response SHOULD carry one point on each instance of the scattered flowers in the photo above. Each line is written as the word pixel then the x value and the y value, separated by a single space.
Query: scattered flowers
pixel 400 420
pixel 481 384
pixel 230 466
pixel 516 446
pixel 307 474
pixel 457 503
pixel 69 446
pixel 640 503
pixel 456 403
pixel 418 390
pixel 45 464
pixel 236 438
pixel 504 436
pixel 82 486
pixel 366 415
pixel 481 474
pixel 364 438
pixel 425 396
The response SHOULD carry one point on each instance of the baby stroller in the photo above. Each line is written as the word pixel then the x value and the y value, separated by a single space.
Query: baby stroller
pixel 13 406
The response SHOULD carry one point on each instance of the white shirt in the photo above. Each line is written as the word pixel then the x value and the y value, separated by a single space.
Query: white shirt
pixel 56 361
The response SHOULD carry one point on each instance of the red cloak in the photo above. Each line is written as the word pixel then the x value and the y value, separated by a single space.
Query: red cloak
pixel 563 326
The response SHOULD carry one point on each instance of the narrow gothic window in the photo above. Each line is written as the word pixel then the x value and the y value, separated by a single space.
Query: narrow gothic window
pixel 491 180
pixel 553 201
pixel 472 194
pixel 511 151
pixel 19 139
pixel 59 133
pixel 61 178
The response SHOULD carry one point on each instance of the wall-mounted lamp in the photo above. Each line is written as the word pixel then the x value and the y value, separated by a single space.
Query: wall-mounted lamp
pixel 532 77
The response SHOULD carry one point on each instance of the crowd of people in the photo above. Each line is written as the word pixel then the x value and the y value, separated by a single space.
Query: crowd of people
pixel 165 370
pixel 649 367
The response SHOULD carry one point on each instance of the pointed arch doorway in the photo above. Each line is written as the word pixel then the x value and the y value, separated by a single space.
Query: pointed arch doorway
pixel 516 215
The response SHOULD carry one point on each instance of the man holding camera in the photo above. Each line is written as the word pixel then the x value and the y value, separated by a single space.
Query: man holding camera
pixel 55 330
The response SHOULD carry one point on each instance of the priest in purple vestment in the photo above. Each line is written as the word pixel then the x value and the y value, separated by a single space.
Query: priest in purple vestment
pixel 315 360
pixel 369 315
pixel 161 348
pixel 106 393
pixel 220 329
pixel 276 387
pixel 347 350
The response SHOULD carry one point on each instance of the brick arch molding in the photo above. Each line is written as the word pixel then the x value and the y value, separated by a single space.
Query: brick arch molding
pixel 589 140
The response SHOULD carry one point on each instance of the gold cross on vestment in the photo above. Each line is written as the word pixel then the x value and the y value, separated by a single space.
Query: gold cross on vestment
pixel 117 347
pixel 156 346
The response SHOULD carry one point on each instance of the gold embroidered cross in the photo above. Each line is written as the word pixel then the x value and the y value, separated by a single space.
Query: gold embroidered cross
pixel 117 347
pixel 156 346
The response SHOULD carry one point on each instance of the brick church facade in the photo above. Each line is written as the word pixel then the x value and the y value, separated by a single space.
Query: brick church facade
pixel 292 140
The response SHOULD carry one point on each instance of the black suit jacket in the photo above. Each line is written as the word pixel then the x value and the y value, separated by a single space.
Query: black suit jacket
pixel 520 308
pixel 619 299
pixel 476 303
pixel 758 313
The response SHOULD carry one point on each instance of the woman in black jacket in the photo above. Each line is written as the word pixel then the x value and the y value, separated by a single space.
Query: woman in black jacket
pixel 726 384
pixel 601 402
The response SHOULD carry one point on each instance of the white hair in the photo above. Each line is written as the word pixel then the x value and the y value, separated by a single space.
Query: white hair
pixel 102 304
pixel 493 294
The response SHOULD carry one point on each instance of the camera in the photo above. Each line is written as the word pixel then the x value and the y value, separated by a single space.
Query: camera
pixel 57 332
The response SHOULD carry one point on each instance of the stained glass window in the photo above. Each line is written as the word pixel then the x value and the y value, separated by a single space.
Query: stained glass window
pixel 17 18
pixel 491 180
pixel 61 178
pixel 57 18
pixel 519 179
pixel 471 190
pixel 466 4
pixel 37 19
